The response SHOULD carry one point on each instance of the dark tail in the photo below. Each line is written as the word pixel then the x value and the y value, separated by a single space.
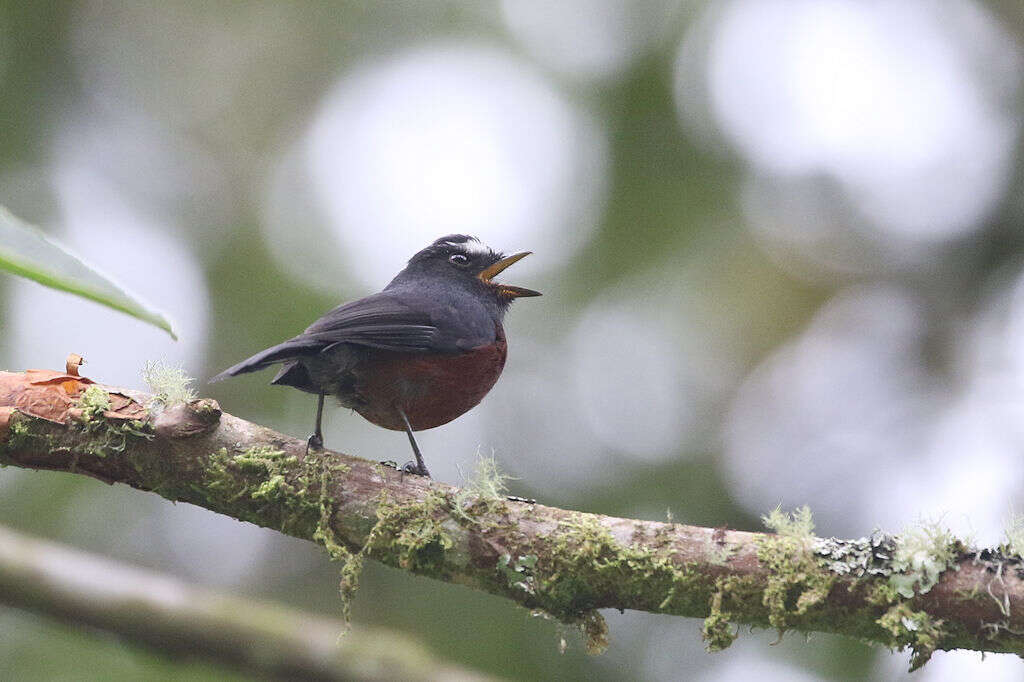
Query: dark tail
pixel 282 352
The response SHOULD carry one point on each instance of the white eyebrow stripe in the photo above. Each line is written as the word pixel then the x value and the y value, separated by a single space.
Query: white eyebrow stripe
pixel 471 246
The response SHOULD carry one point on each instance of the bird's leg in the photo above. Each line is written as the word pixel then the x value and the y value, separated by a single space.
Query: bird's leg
pixel 316 441
pixel 417 467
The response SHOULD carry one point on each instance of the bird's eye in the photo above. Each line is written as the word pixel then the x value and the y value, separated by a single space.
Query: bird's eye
pixel 458 259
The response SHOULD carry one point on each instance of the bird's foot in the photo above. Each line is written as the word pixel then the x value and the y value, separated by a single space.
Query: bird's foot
pixel 314 442
pixel 412 467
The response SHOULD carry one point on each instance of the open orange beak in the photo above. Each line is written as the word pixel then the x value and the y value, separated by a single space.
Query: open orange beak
pixel 507 290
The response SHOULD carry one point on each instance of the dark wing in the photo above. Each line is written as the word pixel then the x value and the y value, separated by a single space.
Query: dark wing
pixel 379 321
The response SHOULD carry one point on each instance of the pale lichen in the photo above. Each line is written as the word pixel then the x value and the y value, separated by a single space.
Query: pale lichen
pixel 871 555
pixel 485 488
pixel 1013 533
pixel 170 384
pixel 487 481
pixel 922 553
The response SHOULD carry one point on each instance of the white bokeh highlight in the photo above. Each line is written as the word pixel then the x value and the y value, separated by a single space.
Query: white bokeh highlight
pixel 447 139
pixel 834 410
pixel 629 383
pixel 298 234
pixel 634 381
pixel 850 406
pixel 890 99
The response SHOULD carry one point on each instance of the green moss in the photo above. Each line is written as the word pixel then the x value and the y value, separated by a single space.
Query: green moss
pixel 299 491
pixel 580 567
pixel 686 584
pixel 718 634
pixel 797 581
pixel 104 437
pixel 418 536
pixel 93 402
pixel 411 534
pixel 892 570
pixel 882 594
pixel 19 435
pixel 581 545
pixel 914 629
pixel 276 487
pixel 98 436
pixel 263 474
pixel 351 562
pixel 797 524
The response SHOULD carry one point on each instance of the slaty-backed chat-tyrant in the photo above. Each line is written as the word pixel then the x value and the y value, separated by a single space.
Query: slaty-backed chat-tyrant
pixel 418 354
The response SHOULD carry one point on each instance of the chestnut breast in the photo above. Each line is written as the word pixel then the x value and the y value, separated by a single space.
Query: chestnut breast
pixel 432 388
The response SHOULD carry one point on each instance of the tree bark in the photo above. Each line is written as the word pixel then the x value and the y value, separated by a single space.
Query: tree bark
pixel 929 595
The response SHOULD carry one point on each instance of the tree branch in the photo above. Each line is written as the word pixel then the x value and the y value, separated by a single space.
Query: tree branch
pixel 173 617
pixel 925 591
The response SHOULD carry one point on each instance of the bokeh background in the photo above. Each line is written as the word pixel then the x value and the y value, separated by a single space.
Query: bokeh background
pixel 780 243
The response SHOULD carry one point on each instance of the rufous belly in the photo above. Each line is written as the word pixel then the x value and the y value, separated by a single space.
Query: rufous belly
pixel 432 389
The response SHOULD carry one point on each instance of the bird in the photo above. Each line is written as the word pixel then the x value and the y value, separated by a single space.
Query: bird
pixel 414 356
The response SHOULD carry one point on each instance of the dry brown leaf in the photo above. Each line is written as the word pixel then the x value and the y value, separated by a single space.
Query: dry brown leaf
pixel 49 395
pixel 73 362
pixel 123 407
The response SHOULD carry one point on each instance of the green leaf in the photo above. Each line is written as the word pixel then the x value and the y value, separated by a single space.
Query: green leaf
pixel 26 251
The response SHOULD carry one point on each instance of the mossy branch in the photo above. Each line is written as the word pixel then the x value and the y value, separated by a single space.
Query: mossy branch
pixel 924 592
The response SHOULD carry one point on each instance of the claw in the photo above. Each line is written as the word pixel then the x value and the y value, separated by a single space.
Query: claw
pixel 411 467
pixel 314 442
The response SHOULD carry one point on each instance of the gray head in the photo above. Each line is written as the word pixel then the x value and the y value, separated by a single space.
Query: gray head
pixel 463 262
